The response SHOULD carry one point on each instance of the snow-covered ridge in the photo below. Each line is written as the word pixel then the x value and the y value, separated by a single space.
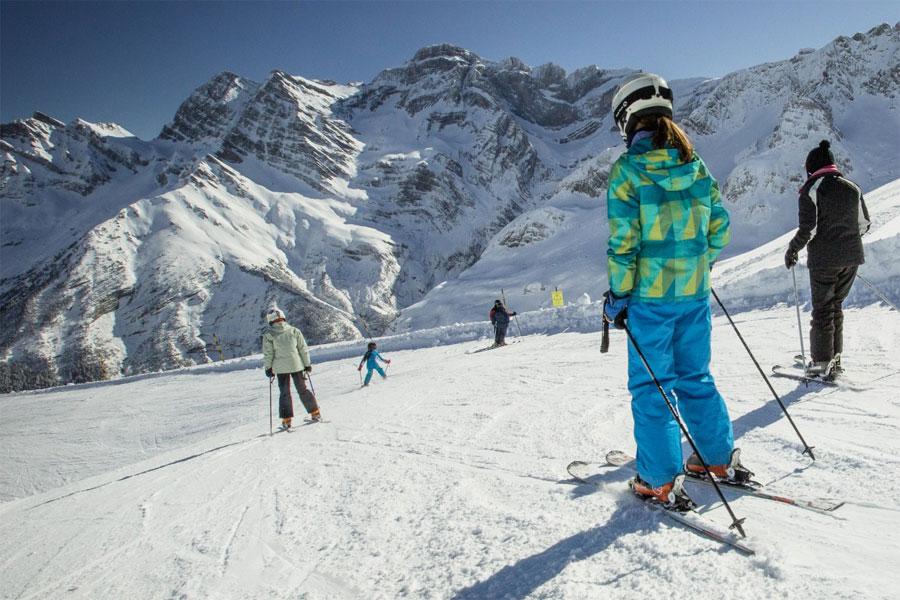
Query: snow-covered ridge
pixel 758 278
pixel 405 202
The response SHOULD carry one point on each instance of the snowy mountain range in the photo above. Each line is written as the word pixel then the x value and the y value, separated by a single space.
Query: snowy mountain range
pixel 402 203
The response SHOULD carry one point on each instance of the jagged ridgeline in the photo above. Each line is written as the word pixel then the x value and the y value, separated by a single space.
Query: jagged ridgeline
pixel 347 205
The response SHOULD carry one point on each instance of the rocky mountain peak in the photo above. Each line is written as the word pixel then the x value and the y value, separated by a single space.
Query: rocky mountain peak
pixel 444 51
pixel 205 117
pixel 44 151
pixel 883 29
pixel 514 64
pixel 47 119
pixel 549 74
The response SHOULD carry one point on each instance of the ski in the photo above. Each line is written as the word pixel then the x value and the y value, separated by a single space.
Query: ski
pixel 485 349
pixel 753 488
pixel 491 347
pixel 581 472
pixel 789 373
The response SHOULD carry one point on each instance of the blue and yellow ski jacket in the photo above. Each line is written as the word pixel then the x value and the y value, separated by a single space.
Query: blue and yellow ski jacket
pixel 666 225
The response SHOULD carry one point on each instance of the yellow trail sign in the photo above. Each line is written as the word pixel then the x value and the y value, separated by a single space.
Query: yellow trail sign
pixel 557 297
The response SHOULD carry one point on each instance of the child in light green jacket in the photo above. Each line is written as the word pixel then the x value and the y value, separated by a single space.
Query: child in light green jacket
pixel 286 356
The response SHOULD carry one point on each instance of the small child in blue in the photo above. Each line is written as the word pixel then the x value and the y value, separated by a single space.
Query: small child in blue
pixel 370 359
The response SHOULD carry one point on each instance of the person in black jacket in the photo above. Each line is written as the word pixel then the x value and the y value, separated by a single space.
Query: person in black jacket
pixel 833 218
pixel 500 320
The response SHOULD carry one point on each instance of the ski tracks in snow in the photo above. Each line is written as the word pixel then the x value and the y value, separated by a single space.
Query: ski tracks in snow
pixel 445 482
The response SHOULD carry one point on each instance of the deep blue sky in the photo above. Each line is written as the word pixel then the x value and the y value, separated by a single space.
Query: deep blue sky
pixel 135 62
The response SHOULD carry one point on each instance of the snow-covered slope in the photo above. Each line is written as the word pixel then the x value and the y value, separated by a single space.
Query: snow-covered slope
pixel 352 205
pixel 447 480
pixel 759 278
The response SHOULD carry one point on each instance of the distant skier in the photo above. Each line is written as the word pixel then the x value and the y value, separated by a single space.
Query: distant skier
pixel 667 226
pixel 286 356
pixel 500 320
pixel 833 218
pixel 370 359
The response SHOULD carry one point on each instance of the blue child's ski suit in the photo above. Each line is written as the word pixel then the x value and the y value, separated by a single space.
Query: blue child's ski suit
pixel 371 359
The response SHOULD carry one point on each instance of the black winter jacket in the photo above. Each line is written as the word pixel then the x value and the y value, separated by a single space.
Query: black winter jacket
pixel 499 316
pixel 833 217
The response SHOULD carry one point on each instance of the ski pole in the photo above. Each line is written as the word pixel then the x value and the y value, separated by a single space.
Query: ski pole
pixel 878 292
pixel 735 522
pixel 312 388
pixel 799 324
pixel 516 317
pixel 271 379
pixel 807 448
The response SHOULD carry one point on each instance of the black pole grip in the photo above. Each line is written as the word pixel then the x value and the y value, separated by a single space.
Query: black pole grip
pixel 604 342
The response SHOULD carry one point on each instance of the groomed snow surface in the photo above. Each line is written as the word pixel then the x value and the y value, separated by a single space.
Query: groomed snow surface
pixel 447 480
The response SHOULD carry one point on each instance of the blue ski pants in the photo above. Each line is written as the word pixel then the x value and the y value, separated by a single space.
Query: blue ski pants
pixel 369 373
pixel 675 340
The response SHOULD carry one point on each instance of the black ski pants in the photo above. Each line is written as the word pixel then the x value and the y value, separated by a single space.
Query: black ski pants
pixel 285 403
pixel 500 334
pixel 829 289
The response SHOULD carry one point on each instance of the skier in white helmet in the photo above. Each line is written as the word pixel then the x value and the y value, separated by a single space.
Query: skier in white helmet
pixel 286 356
pixel 666 227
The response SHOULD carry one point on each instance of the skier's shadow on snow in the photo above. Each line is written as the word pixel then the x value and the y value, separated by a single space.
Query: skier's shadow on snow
pixel 522 578
pixel 769 412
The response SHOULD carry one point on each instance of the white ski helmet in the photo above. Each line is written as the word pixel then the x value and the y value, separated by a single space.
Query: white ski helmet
pixel 640 95
pixel 274 314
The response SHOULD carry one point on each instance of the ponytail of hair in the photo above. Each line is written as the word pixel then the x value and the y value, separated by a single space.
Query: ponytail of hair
pixel 669 133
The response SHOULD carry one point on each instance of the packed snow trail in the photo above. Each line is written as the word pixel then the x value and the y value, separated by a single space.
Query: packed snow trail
pixel 447 480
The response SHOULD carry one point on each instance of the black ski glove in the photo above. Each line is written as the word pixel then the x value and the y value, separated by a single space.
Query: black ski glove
pixel 308 369
pixel 270 373
pixel 790 258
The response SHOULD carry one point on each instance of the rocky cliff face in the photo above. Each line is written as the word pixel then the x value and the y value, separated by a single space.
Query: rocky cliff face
pixel 442 179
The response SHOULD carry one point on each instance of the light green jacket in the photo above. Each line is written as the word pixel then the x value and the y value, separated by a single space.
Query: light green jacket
pixel 666 225
pixel 284 349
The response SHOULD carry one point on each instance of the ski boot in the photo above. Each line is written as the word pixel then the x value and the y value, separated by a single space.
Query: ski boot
pixel 836 369
pixel 315 416
pixel 820 370
pixel 733 472
pixel 670 496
